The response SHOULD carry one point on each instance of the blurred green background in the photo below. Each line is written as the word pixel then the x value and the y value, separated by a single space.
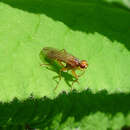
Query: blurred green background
pixel 93 30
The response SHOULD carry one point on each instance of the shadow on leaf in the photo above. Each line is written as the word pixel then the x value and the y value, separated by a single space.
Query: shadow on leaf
pixel 90 17
pixel 54 66
pixel 40 113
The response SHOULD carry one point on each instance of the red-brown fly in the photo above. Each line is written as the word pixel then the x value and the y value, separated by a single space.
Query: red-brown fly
pixel 71 62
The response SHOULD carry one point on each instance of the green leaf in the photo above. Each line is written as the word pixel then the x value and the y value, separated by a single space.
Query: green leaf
pixel 94 31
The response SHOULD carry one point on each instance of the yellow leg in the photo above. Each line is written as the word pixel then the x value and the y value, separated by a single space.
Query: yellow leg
pixel 63 69
pixel 81 73
pixel 75 81
pixel 76 76
pixel 63 50
pixel 60 63
pixel 44 64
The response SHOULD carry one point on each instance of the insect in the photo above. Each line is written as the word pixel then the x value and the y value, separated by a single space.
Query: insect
pixel 71 62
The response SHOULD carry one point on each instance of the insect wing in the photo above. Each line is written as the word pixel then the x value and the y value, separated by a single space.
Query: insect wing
pixel 60 55
pixel 51 53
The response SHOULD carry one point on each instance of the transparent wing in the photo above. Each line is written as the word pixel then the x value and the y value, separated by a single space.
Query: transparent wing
pixel 60 55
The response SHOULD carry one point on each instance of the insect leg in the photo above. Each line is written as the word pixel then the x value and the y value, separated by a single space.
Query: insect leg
pixel 63 69
pixel 76 76
pixel 44 64
pixel 83 71
pixel 63 50
pixel 60 63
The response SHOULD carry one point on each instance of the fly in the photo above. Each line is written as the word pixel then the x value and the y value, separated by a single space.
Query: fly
pixel 71 62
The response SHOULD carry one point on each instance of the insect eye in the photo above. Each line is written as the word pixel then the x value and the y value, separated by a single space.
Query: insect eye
pixel 83 64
